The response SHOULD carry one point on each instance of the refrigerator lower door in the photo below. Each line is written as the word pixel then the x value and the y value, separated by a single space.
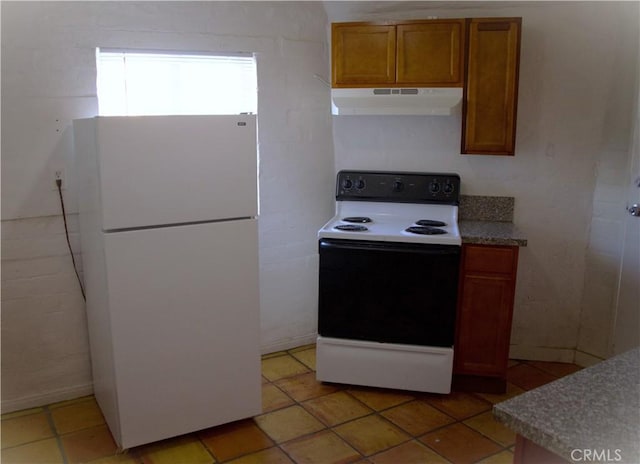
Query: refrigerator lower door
pixel 184 315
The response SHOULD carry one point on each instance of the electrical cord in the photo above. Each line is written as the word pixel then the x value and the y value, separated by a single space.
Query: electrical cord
pixel 66 231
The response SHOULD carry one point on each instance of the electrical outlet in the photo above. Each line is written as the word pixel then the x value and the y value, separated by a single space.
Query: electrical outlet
pixel 58 175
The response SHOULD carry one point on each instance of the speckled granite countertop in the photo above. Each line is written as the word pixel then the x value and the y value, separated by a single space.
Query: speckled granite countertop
pixel 491 233
pixel 596 409
pixel 488 221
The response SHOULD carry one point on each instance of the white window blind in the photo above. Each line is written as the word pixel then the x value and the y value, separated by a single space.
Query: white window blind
pixel 142 83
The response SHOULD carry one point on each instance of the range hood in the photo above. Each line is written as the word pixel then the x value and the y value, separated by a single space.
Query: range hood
pixel 443 101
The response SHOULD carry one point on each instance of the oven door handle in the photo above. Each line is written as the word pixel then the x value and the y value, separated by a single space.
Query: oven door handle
pixel 336 244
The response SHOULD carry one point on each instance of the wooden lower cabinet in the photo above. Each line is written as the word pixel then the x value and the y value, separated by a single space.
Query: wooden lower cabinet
pixel 527 452
pixel 483 321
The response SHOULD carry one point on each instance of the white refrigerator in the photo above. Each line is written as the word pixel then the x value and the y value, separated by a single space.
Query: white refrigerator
pixel 168 229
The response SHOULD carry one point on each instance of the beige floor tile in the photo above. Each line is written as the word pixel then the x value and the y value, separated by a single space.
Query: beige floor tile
pixel 460 444
pixel 77 416
pixel 306 356
pixel 310 346
pixel 40 452
pixel 459 405
pixel 275 354
pixel 490 427
pixel 336 408
pixel 60 404
pixel 417 417
pixel 24 429
pixel 274 398
pixel 89 444
pixel 503 457
pixel 371 434
pixel 304 386
pixel 321 448
pixel 183 450
pixel 378 398
pixel 279 367
pixel 235 439
pixel 288 423
pixel 411 452
pixel 493 398
pixel 22 412
pixel 120 458
pixel 268 456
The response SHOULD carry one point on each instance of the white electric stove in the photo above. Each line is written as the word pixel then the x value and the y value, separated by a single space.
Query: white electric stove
pixel 389 265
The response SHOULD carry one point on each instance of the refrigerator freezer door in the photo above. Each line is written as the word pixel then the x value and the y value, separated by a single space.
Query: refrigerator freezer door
pixel 184 315
pixel 157 170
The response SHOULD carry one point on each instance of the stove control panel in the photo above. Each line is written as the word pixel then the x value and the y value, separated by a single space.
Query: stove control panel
pixel 401 187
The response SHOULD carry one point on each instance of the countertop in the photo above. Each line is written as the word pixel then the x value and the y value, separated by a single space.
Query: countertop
pixel 488 221
pixel 491 233
pixel 597 408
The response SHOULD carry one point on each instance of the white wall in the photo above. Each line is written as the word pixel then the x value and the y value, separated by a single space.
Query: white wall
pixel 48 79
pixel 604 251
pixel 576 81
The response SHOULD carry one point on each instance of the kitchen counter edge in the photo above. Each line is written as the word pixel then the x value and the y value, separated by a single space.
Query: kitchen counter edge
pixel 595 408
pixel 491 233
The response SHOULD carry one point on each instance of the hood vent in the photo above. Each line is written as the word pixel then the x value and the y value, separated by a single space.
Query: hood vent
pixel 442 101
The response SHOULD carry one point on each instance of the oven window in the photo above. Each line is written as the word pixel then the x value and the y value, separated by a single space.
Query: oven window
pixel 388 292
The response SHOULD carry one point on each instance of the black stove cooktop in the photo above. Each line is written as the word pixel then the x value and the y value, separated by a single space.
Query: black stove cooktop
pixel 430 223
pixel 351 228
pixel 357 219
pixel 425 230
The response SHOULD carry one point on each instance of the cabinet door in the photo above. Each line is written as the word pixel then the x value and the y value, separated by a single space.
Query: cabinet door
pixel 431 53
pixel 483 326
pixel 482 345
pixel 489 121
pixel 363 55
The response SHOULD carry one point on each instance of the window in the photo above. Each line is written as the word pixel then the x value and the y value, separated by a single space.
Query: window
pixel 145 83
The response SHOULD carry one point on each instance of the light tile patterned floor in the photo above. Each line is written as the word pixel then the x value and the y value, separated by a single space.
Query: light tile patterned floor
pixel 303 422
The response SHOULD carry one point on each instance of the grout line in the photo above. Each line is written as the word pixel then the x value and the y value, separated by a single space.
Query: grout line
pixel 374 412
pixel 63 452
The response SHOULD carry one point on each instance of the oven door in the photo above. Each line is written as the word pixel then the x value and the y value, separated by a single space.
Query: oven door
pixel 388 292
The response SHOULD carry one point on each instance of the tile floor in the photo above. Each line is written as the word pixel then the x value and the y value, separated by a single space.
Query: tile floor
pixel 303 422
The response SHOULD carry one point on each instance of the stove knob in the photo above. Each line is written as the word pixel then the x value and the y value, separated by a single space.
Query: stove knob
pixel 448 187
pixel 434 187
pixel 398 186
pixel 347 184
pixel 360 184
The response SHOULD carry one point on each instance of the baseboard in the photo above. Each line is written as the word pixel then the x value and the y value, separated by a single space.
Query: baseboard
pixel 288 343
pixel 585 359
pixel 540 353
pixel 33 401
pixel 64 394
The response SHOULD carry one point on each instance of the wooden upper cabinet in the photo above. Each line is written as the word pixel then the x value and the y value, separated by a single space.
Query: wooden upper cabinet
pixel 491 90
pixel 425 53
pixel 363 54
pixel 431 53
